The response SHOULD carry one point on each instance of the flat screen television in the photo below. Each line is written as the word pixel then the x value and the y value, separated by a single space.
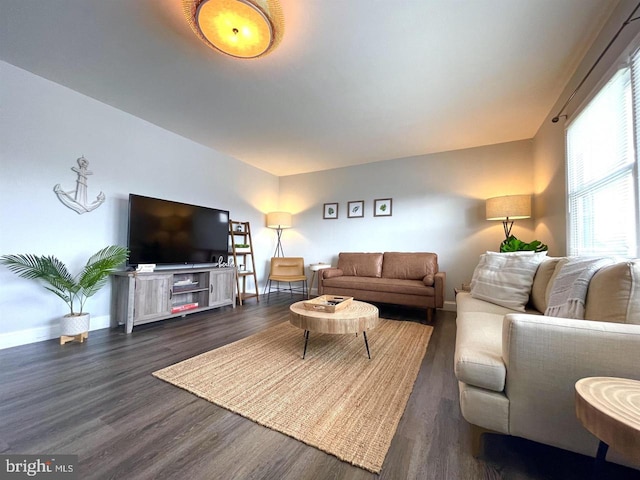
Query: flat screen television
pixel 172 233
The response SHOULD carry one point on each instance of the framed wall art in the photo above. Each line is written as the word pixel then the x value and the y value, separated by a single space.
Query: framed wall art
pixel 355 209
pixel 330 211
pixel 382 207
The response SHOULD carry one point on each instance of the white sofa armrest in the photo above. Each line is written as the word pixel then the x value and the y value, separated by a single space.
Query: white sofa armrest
pixel 545 356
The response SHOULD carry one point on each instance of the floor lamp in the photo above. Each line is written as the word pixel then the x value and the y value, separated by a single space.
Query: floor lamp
pixel 279 221
pixel 508 209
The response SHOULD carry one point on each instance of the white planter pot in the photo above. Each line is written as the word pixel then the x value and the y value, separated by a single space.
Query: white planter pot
pixel 71 325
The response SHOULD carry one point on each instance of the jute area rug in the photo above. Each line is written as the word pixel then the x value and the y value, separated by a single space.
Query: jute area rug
pixel 336 399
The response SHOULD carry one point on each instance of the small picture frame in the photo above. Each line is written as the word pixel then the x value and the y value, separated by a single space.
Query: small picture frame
pixel 382 207
pixel 355 209
pixel 330 211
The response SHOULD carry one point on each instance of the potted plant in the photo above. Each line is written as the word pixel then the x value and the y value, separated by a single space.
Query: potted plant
pixel 512 244
pixel 73 290
pixel 242 247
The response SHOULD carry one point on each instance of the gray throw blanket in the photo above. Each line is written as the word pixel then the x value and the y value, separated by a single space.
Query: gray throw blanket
pixel 569 290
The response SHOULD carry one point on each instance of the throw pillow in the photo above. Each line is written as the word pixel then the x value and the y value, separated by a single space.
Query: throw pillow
pixel 614 293
pixel 505 278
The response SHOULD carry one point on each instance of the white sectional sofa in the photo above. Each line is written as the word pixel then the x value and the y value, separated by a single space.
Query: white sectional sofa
pixel 517 370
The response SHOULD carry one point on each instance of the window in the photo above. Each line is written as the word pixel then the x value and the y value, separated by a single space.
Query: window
pixel 602 178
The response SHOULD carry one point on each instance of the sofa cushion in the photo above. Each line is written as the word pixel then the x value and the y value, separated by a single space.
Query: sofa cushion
pixel 478 355
pixel 484 408
pixel 539 293
pixel 466 303
pixel 410 266
pixel 361 264
pixel 614 294
pixel 505 278
pixel 383 285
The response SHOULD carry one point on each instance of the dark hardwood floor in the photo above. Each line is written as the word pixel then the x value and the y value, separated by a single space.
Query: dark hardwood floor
pixel 98 400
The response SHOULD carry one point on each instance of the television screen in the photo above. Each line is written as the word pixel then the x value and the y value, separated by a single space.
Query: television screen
pixel 165 232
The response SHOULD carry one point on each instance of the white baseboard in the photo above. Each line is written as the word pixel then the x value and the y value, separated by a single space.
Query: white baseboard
pixel 450 306
pixel 39 334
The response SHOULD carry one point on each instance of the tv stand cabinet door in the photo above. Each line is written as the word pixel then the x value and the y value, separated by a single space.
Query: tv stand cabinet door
pixel 152 297
pixel 222 287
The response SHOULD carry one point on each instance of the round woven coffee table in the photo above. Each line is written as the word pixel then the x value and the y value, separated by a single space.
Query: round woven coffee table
pixel 357 317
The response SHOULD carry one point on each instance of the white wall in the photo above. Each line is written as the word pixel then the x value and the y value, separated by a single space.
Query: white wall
pixel 44 128
pixel 438 206
pixel 549 186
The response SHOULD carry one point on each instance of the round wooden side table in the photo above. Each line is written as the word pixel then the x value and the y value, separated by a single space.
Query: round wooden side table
pixel 315 268
pixel 609 408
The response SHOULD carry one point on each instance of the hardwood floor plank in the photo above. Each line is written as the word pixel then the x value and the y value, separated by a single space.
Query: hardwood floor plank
pixel 99 400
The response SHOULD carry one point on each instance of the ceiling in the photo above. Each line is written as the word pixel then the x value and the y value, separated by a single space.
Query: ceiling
pixel 352 81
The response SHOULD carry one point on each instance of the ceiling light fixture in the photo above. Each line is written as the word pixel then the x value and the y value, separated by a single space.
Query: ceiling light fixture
pixel 240 28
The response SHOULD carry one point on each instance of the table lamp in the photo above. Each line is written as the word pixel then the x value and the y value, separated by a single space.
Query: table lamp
pixel 508 208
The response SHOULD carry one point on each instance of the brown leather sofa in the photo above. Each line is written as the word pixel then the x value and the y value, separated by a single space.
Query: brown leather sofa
pixel 398 278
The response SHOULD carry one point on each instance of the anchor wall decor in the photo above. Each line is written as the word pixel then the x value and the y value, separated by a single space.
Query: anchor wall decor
pixel 76 199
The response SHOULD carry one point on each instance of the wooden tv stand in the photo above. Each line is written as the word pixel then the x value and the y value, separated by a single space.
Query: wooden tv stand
pixel 140 298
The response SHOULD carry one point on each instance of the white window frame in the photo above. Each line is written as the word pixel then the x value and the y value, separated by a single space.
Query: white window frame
pixel 624 61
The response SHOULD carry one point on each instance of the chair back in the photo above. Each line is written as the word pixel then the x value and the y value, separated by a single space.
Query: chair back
pixel 287 266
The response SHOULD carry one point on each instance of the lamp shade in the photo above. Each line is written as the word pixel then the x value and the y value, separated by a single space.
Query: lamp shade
pixel 512 207
pixel 279 220
pixel 240 28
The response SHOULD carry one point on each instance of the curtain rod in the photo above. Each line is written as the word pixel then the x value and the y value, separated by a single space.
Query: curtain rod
pixel 624 24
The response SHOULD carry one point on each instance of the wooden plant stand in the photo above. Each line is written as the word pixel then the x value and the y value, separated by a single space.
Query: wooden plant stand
pixel 69 338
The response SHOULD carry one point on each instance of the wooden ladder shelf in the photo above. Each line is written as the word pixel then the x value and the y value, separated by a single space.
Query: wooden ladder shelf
pixel 240 233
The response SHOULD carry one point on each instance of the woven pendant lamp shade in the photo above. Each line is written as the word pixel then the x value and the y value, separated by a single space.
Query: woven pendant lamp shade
pixel 240 28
